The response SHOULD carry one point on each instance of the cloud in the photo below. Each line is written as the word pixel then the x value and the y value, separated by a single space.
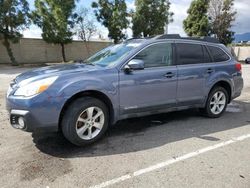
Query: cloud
pixel 32 32
pixel 131 5
pixel 242 23
pixel 179 8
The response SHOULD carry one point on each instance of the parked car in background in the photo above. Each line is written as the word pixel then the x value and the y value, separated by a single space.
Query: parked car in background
pixel 136 78
pixel 247 61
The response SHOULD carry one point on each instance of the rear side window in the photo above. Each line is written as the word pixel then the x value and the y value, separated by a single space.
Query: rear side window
pixel 156 55
pixel 189 53
pixel 218 54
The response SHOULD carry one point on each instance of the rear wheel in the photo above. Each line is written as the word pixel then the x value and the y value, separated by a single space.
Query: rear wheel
pixel 85 121
pixel 216 103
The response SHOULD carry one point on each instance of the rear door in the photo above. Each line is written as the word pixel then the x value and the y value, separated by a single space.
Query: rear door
pixel 193 69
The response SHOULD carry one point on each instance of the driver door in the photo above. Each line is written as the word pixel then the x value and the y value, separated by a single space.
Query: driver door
pixel 152 88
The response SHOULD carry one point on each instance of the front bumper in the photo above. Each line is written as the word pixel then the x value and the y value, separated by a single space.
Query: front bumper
pixel 33 114
pixel 18 119
pixel 24 120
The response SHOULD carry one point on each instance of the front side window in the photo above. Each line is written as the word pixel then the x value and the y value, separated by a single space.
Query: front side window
pixel 218 54
pixel 156 55
pixel 189 53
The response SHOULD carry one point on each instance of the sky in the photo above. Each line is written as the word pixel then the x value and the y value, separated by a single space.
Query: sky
pixel 179 7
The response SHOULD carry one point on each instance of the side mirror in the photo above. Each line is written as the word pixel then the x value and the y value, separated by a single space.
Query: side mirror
pixel 134 64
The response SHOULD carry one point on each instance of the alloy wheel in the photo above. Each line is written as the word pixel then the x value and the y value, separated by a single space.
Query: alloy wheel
pixel 218 102
pixel 90 123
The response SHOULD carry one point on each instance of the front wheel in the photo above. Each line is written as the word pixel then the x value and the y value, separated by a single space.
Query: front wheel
pixel 216 103
pixel 85 121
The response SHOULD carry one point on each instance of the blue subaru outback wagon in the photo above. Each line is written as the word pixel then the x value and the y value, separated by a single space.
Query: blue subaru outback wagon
pixel 136 78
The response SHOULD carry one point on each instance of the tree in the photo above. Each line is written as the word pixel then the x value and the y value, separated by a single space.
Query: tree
pixel 221 16
pixel 113 15
pixel 197 24
pixel 150 17
pixel 84 27
pixel 55 18
pixel 14 17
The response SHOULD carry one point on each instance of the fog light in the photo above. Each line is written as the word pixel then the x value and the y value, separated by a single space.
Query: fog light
pixel 21 122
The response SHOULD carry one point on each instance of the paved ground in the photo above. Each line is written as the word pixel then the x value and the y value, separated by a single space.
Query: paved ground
pixel 180 149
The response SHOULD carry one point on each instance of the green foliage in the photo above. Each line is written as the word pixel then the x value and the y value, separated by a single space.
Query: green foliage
pixel 56 19
pixel 150 17
pixel 211 17
pixel 197 24
pixel 222 16
pixel 14 17
pixel 113 15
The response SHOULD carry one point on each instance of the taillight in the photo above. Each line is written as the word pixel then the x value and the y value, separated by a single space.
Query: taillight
pixel 238 67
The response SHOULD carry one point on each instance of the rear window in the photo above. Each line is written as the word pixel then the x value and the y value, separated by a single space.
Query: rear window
pixel 218 54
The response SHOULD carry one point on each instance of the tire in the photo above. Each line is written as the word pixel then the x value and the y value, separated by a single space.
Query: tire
pixel 77 121
pixel 210 109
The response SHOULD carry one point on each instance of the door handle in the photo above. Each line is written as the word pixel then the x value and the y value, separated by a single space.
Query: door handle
pixel 169 75
pixel 209 71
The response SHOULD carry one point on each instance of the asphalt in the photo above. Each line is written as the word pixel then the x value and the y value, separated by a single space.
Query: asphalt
pixel 143 145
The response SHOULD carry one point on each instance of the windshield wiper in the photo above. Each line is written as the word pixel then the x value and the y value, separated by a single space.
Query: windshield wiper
pixel 83 62
pixel 79 61
pixel 89 64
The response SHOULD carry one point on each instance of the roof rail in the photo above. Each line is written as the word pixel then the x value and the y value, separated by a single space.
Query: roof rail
pixel 168 36
pixel 138 38
pixel 133 38
pixel 177 36
pixel 211 39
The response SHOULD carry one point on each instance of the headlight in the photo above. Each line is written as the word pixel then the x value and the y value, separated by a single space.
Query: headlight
pixel 35 87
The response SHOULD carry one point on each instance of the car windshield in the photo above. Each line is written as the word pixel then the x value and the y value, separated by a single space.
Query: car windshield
pixel 113 54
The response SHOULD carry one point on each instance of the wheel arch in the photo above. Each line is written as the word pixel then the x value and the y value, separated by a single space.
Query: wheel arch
pixel 225 85
pixel 89 93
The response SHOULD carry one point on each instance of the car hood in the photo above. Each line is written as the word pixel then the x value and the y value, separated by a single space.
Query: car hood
pixel 57 70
